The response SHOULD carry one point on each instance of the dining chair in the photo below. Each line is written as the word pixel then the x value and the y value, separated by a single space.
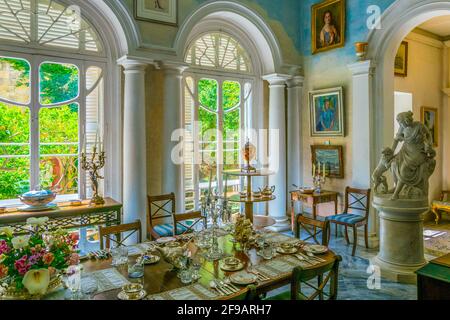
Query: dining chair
pixel 311 226
pixel 326 274
pixel 161 210
pixel 114 234
pixel 355 200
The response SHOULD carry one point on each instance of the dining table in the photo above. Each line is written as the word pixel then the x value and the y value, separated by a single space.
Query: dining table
pixel 160 280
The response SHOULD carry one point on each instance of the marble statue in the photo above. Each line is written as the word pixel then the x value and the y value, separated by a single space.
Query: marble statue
pixel 411 166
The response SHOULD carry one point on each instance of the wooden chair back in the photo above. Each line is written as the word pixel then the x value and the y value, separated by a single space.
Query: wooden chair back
pixel 311 226
pixel 326 274
pixel 445 196
pixel 357 199
pixel 160 207
pixel 181 218
pixel 114 234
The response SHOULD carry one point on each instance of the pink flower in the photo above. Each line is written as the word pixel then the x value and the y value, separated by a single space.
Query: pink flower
pixel 74 259
pixel 4 248
pixel 48 258
pixel 34 259
pixel 22 266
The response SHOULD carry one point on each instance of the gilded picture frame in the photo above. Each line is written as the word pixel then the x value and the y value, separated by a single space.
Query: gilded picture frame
pixel 401 60
pixel 327 112
pixel 332 157
pixel 328 25
pixel 430 118
pixel 157 11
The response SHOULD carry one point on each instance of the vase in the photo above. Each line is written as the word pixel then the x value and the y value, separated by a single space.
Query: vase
pixel 12 293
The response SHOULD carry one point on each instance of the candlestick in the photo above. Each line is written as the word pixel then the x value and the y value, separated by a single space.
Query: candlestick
pixel 324 170
pixel 314 169
pixel 319 169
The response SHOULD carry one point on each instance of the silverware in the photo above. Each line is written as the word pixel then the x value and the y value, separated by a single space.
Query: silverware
pixel 223 287
pixel 224 284
pixel 228 281
pixel 311 255
pixel 214 285
pixel 301 258
pixel 259 275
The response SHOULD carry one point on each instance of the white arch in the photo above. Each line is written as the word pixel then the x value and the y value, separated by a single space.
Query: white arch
pixel 113 22
pixel 240 21
pixel 397 22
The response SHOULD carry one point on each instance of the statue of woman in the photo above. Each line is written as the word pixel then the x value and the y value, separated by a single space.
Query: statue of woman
pixel 413 165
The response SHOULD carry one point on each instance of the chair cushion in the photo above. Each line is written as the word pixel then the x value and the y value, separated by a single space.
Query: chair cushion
pixel 346 218
pixel 282 296
pixel 166 230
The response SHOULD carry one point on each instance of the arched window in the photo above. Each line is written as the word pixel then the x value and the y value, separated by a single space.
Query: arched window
pixel 52 67
pixel 218 90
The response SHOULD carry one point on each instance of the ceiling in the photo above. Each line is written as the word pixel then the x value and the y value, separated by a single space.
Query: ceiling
pixel 439 26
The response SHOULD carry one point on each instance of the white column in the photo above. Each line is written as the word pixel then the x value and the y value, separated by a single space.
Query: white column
pixel 364 155
pixel 277 149
pixel 445 117
pixel 134 143
pixel 294 132
pixel 172 169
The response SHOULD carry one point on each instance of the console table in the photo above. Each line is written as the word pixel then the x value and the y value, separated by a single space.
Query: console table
pixel 66 216
pixel 313 199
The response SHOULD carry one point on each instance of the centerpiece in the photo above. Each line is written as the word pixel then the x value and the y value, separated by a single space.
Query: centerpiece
pixel 243 232
pixel 31 264
pixel 319 177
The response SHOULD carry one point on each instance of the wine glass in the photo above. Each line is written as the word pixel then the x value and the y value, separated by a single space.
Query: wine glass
pixel 196 265
pixel 89 287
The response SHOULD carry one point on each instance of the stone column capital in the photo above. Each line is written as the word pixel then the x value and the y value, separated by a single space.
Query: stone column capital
pixel 276 79
pixel 362 67
pixel 173 67
pixel 447 43
pixel 295 82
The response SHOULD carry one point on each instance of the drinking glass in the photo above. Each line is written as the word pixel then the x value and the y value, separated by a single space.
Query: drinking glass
pixel 123 255
pixel 73 281
pixel 196 266
pixel 89 287
pixel 186 276
pixel 136 270
pixel 267 251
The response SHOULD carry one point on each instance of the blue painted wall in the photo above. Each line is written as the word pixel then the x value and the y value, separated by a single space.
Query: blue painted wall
pixel 356 28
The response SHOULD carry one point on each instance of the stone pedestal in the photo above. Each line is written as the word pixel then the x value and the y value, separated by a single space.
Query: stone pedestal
pixel 401 237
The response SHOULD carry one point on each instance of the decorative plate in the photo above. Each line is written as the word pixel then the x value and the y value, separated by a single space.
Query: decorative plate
pixel 165 239
pixel 287 251
pixel 315 248
pixel 232 268
pixel 173 244
pixel 243 278
pixel 139 296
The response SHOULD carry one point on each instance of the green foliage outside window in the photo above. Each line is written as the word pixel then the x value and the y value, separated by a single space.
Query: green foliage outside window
pixel 58 83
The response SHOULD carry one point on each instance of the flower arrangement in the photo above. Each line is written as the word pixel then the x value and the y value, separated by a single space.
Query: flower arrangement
pixel 29 262
pixel 243 231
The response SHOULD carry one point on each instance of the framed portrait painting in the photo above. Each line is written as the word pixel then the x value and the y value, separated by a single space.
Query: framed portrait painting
pixel 327 112
pixel 331 157
pixel 401 60
pixel 328 25
pixel 159 11
pixel 430 118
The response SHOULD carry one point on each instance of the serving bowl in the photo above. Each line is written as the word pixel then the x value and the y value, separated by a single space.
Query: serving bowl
pixel 38 198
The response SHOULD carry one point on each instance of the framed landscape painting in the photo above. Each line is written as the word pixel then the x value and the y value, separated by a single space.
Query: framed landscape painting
pixel 160 11
pixel 327 112
pixel 328 25
pixel 401 60
pixel 332 157
pixel 430 118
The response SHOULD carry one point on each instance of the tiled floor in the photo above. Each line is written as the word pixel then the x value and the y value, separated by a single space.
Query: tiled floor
pixel 353 277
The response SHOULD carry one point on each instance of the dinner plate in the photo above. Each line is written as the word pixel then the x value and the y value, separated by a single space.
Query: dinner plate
pixel 232 268
pixel 165 239
pixel 123 295
pixel 315 248
pixel 243 278
pixel 150 259
pixel 288 251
